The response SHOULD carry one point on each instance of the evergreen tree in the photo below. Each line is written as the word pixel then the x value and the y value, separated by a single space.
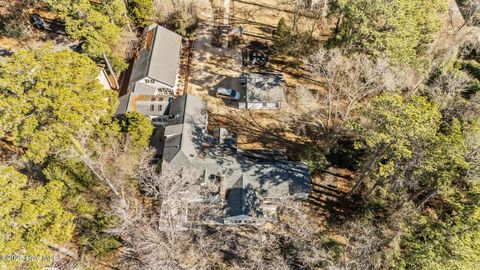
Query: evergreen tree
pixel 98 27
pixel 138 129
pixel 399 29
pixel 31 219
pixel 412 155
pixel 141 11
pixel 282 37
pixel 46 97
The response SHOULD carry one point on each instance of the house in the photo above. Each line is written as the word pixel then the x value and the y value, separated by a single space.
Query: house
pixel 251 186
pixel 263 91
pixel 157 62
pixel 154 75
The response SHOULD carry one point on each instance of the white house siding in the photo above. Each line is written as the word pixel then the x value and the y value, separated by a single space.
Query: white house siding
pixel 263 105
pixel 161 88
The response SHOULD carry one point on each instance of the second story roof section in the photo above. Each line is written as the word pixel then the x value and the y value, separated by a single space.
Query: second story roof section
pixel 151 106
pixel 158 59
pixel 186 130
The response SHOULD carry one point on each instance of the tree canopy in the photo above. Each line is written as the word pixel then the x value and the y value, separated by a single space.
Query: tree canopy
pixel 393 147
pixel 411 151
pixel 142 11
pixel 46 97
pixel 98 27
pixel 31 219
pixel 450 239
pixel 399 29
pixel 138 128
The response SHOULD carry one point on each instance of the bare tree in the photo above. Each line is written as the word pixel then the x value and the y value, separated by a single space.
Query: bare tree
pixel 371 242
pixel 188 9
pixel 362 246
pixel 295 242
pixel 348 82
pixel 314 12
pixel 305 234
pixel 174 234
pixel 471 12
pixel 447 90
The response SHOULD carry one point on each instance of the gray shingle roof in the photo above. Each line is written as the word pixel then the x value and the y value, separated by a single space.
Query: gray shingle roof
pixel 265 87
pixel 185 131
pixel 236 198
pixel 250 181
pixel 177 110
pixel 122 104
pixel 171 147
pixel 161 60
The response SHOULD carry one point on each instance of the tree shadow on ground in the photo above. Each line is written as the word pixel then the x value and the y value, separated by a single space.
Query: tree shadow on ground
pixel 253 133
pixel 328 196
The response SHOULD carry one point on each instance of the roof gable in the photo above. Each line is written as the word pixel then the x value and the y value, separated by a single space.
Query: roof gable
pixel 159 59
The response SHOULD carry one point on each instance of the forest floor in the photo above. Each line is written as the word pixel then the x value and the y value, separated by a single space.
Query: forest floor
pixel 32 37
pixel 260 18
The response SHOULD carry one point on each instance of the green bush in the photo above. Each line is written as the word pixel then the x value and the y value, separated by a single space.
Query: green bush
pixel 11 28
pixel 314 157
pixel 180 23
pixel 118 63
pixel 294 44
pixel 85 208
pixel 141 11
pixel 282 35
pixel 106 245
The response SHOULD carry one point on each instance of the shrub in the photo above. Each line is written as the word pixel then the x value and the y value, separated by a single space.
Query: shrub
pixel 105 245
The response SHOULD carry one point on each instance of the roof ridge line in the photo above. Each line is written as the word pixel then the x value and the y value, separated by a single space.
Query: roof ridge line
pixel 183 122
pixel 151 50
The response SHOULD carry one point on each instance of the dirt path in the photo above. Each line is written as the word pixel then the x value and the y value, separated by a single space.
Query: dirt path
pixel 214 67
pixel 211 66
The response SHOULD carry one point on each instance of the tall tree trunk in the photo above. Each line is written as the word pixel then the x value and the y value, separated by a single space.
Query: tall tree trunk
pixel 366 172
pixel 430 195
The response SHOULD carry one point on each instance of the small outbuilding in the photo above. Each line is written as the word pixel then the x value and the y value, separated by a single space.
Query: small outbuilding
pixel 263 91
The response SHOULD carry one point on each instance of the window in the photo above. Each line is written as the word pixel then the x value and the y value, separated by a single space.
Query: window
pixel 159 108
pixel 264 104
pixel 152 107
pixel 149 81
pixel 165 90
